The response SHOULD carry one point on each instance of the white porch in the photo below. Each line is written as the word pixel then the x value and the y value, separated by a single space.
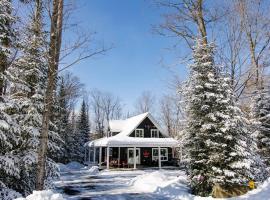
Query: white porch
pixel 99 152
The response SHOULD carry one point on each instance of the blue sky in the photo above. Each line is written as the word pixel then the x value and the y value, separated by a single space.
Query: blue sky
pixel 134 64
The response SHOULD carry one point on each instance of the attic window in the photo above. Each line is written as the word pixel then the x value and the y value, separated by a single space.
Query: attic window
pixel 139 133
pixel 154 133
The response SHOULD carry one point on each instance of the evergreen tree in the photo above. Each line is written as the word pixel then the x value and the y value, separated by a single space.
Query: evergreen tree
pixel 63 122
pixel 6 39
pixel 27 76
pixel 83 130
pixel 73 151
pixel 261 124
pixel 9 130
pixel 216 130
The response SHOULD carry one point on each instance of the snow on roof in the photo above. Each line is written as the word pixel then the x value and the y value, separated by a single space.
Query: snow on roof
pixel 116 125
pixel 126 127
pixel 133 141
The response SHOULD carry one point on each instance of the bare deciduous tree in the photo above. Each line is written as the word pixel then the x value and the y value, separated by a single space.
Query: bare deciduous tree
pixel 105 107
pixel 188 19
pixel 97 111
pixel 145 103
pixel 73 89
pixel 53 58
pixel 255 18
pixel 231 51
pixel 112 107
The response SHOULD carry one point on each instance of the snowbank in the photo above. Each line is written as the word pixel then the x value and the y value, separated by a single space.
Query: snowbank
pixel 74 165
pixel 261 193
pixel 62 167
pixel 177 188
pixel 93 170
pixel 43 195
pixel 149 182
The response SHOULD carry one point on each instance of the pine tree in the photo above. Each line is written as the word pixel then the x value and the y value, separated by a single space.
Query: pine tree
pixel 63 122
pixel 72 139
pixel 26 78
pixel 261 123
pixel 83 130
pixel 9 129
pixel 216 130
pixel 6 38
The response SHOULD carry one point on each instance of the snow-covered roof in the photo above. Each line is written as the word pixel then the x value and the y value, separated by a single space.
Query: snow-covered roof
pixel 116 125
pixel 116 141
pixel 126 127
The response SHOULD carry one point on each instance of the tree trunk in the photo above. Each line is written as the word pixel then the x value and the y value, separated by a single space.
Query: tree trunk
pixel 255 64
pixel 200 21
pixel 54 53
pixel 5 42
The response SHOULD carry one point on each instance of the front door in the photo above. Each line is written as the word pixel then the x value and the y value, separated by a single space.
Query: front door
pixel 131 156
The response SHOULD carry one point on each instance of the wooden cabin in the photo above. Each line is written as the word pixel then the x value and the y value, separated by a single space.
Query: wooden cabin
pixel 140 134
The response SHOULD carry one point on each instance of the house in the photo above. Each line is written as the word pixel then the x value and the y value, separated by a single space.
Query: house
pixel 140 134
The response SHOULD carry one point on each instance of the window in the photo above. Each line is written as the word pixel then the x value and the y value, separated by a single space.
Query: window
pixel 154 133
pixel 163 154
pixel 139 133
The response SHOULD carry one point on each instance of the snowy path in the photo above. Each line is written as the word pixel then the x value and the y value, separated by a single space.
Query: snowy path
pixel 106 185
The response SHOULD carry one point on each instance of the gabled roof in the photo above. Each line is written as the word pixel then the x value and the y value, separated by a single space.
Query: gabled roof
pixel 126 127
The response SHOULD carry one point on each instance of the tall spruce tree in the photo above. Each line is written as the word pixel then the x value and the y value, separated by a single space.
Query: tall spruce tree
pixel 216 130
pixel 72 139
pixel 83 130
pixel 9 129
pixel 63 122
pixel 261 123
pixel 27 76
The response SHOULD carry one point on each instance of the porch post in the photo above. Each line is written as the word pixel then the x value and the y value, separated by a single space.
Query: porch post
pixel 134 157
pixel 108 157
pixel 118 156
pixel 100 155
pixel 173 149
pixel 85 154
pixel 181 153
pixel 89 154
pixel 94 155
pixel 159 160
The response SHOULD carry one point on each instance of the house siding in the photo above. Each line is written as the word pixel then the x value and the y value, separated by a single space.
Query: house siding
pixel 145 160
pixel 146 125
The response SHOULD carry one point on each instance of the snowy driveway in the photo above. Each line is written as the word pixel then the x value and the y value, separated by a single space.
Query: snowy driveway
pixel 78 184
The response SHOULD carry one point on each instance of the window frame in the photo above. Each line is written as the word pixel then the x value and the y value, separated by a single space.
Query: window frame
pixel 141 135
pixel 155 129
pixel 162 158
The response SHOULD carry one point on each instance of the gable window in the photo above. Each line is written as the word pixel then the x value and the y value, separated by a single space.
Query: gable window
pixel 154 133
pixel 139 133
pixel 163 154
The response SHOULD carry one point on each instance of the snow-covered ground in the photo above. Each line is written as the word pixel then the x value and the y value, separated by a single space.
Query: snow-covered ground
pixel 78 182
pixel 43 195
pixel 88 184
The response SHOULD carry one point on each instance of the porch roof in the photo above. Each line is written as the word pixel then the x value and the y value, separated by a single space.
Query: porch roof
pixel 126 141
